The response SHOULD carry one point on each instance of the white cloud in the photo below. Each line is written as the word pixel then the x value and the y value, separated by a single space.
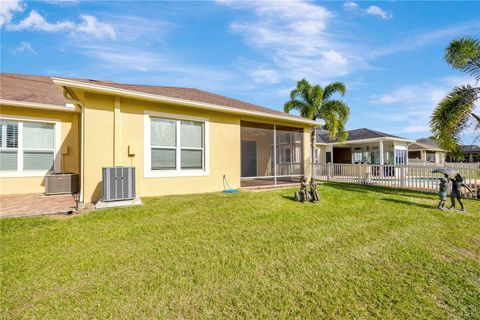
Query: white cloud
pixel 377 11
pixel 417 39
pixel 295 40
pixel 62 2
pixel 133 28
pixel 350 5
pixel 35 21
pixel 126 59
pixel 371 10
pixel 7 9
pixel 264 74
pixel 426 93
pixel 88 25
pixel 408 108
pixel 24 47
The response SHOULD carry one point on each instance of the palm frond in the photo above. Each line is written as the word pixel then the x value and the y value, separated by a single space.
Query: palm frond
pixel 452 115
pixel 464 54
pixel 294 105
pixel 476 117
pixel 332 88
pixel 335 113
pixel 316 95
pixel 477 125
pixel 309 100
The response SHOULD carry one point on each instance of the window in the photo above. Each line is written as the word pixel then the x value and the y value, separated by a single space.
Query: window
pixel 8 146
pixel 430 156
pixel 38 146
pixel 373 157
pixel 388 158
pixel 191 145
pixel 26 146
pixel 163 142
pixel 177 146
pixel 400 157
pixel 358 157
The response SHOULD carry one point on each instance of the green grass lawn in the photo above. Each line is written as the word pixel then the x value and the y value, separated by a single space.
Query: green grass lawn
pixel 362 252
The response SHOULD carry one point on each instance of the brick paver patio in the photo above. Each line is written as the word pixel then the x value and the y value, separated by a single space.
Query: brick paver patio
pixel 18 205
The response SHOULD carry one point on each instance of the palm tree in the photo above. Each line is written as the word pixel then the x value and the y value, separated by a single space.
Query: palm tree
pixel 457 110
pixel 314 102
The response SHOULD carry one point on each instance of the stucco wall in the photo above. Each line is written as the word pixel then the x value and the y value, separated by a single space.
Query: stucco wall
pixel 69 137
pixel 113 124
pixel 108 135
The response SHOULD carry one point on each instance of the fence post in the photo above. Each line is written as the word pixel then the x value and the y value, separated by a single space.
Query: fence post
pixel 403 177
pixel 329 171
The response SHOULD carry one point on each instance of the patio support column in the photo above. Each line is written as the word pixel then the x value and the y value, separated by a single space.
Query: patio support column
pixel 314 146
pixel 382 161
pixel 380 150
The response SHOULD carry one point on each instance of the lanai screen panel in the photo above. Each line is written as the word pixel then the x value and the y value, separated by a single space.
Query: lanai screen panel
pixel 289 151
pixel 256 149
pixel 270 154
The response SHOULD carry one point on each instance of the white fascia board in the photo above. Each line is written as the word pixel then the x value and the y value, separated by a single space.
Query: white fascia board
pixel 35 105
pixel 177 101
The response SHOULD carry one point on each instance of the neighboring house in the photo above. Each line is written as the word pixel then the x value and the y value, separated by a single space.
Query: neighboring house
pixel 471 153
pixel 180 140
pixel 362 146
pixel 426 150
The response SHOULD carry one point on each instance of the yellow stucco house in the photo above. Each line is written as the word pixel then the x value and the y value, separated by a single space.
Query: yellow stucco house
pixel 180 140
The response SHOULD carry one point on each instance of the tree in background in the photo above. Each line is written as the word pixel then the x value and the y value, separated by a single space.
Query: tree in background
pixel 314 102
pixel 456 112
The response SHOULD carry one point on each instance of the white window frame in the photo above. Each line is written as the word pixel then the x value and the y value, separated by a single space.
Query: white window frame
pixel 178 172
pixel 57 165
pixel 405 155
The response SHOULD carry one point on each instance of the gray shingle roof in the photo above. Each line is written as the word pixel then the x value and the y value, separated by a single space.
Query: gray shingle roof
pixel 41 89
pixel 28 88
pixel 471 148
pixel 357 134
pixel 425 144
pixel 429 142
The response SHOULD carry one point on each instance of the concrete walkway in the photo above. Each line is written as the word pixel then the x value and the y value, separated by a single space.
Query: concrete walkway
pixel 19 205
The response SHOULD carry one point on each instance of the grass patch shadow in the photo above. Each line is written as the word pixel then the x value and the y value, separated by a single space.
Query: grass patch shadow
pixel 410 203
pixel 379 189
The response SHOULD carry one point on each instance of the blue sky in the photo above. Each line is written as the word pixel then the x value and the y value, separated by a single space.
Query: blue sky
pixel 389 54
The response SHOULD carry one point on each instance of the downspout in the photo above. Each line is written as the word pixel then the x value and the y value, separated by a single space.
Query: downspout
pixel 82 155
pixel 274 154
pixel 314 144
pixel 71 96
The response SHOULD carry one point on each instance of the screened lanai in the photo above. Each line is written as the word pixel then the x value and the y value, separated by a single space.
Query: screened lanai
pixel 270 154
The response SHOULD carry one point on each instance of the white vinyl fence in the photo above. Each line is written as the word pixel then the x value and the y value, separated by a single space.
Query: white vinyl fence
pixel 456 165
pixel 407 177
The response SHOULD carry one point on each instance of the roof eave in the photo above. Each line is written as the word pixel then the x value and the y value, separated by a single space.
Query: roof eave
pixel 177 101
pixel 37 105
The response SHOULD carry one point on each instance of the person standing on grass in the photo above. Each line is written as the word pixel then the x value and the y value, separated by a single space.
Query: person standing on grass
pixel 457 185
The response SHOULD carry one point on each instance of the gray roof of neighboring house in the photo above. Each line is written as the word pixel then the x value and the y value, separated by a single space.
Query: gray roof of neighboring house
pixel 429 142
pixel 471 148
pixel 424 144
pixel 357 134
